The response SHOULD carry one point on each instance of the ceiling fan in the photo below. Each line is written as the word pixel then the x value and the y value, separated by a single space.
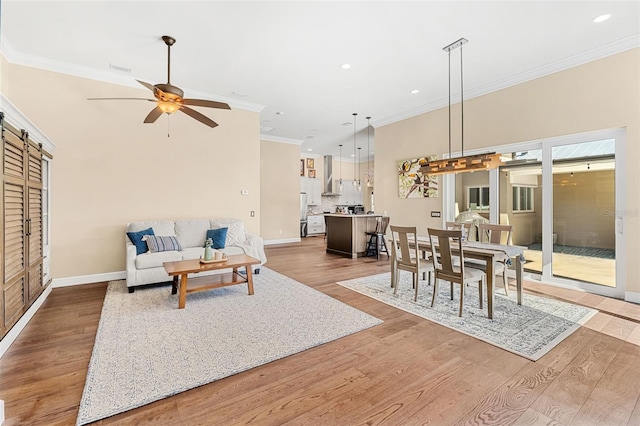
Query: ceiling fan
pixel 169 98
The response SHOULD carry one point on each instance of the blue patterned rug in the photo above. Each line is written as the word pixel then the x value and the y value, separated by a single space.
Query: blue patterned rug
pixel 529 330
pixel 147 349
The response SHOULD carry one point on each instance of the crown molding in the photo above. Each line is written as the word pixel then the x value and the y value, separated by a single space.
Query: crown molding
pixel 18 58
pixel 17 119
pixel 280 139
pixel 600 52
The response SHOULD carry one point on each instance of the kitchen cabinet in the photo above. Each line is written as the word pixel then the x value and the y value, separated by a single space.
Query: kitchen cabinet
pixel 315 224
pixel 350 194
pixel 313 188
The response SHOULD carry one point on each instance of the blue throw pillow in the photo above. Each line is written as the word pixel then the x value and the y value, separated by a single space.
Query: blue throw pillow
pixel 137 240
pixel 218 236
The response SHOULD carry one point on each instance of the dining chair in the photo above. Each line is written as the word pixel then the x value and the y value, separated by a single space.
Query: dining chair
pixel 443 242
pixel 454 226
pixel 406 258
pixel 494 234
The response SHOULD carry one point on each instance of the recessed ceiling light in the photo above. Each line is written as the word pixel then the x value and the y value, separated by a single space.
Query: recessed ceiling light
pixel 347 123
pixel 309 149
pixel 119 68
pixel 601 18
pixel 279 113
pixel 309 137
pixel 345 66
pixel 266 129
pixel 414 91
pixel 352 155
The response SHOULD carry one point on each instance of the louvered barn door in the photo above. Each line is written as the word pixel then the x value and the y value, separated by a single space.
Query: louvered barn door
pixel 14 243
pixel 34 223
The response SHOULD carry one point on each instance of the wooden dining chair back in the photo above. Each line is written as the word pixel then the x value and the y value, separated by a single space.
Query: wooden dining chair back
pixel 494 234
pixel 444 244
pixel 466 226
pixel 406 257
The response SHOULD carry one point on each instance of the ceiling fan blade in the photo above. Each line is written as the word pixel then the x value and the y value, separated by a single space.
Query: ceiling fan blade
pixel 153 115
pixel 120 99
pixel 206 103
pixel 201 118
pixel 147 85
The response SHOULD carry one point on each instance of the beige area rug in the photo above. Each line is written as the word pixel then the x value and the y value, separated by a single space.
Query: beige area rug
pixel 529 330
pixel 147 349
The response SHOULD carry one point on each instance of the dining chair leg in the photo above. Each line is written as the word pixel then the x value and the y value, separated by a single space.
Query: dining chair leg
pixel 480 285
pixel 435 291
pixel 394 284
pixel 451 283
pixel 461 299
pixel 416 280
pixel 504 281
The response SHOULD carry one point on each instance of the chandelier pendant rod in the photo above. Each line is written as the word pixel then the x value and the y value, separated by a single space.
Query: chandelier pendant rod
pixel 449 103
pixel 461 106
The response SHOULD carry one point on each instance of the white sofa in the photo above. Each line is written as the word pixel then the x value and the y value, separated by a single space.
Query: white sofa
pixel 146 268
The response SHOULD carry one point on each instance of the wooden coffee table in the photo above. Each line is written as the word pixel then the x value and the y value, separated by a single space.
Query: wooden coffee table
pixel 180 269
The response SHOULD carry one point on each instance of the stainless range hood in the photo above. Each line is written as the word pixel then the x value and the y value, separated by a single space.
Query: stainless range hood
pixel 329 190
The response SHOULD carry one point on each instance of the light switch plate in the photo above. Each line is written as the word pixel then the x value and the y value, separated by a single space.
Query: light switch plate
pixel 244 192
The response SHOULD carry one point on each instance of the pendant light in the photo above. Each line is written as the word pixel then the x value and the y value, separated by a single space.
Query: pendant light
pixel 359 183
pixel 340 181
pixel 354 149
pixel 368 154
pixel 460 164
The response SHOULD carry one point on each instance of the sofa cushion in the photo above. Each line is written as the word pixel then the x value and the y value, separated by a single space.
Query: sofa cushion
pixel 218 236
pixel 235 234
pixel 157 244
pixel 155 260
pixel 138 239
pixel 191 232
pixel 160 227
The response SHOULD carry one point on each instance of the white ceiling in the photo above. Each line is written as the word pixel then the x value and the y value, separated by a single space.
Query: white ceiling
pixel 286 56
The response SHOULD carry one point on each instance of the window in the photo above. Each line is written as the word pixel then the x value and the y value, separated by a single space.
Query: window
pixel 522 199
pixel 477 197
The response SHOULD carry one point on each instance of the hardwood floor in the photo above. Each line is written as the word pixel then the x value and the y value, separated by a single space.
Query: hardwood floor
pixel 406 371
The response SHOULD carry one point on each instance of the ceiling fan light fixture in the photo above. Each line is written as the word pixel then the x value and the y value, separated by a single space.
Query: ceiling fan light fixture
pixel 168 107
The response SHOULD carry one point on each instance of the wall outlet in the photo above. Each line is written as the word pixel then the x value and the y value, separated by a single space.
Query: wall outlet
pixel 435 214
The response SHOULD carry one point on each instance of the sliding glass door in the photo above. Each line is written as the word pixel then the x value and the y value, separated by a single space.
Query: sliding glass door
pixel 561 196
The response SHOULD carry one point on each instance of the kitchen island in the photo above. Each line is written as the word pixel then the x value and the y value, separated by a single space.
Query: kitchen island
pixel 346 233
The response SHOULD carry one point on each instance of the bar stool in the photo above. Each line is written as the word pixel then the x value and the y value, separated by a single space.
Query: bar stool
pixel 377 244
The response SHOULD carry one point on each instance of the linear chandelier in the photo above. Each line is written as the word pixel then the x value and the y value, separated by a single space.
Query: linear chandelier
pixel 463 163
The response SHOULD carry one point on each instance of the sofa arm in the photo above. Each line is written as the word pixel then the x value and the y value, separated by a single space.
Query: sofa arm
pixel 257 247
pixel 131 264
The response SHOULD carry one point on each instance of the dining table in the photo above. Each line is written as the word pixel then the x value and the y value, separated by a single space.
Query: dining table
pixel 488 253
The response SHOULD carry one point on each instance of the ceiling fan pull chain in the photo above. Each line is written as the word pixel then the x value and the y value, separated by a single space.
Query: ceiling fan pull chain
pixel 168 124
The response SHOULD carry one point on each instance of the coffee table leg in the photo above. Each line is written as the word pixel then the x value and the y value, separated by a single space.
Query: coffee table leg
pixel 249 279
pixel 182 300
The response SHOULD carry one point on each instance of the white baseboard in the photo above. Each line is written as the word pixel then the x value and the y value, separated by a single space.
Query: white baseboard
pixel 87 279
pixel 631 296
pixel 15 331
pixel 283 241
